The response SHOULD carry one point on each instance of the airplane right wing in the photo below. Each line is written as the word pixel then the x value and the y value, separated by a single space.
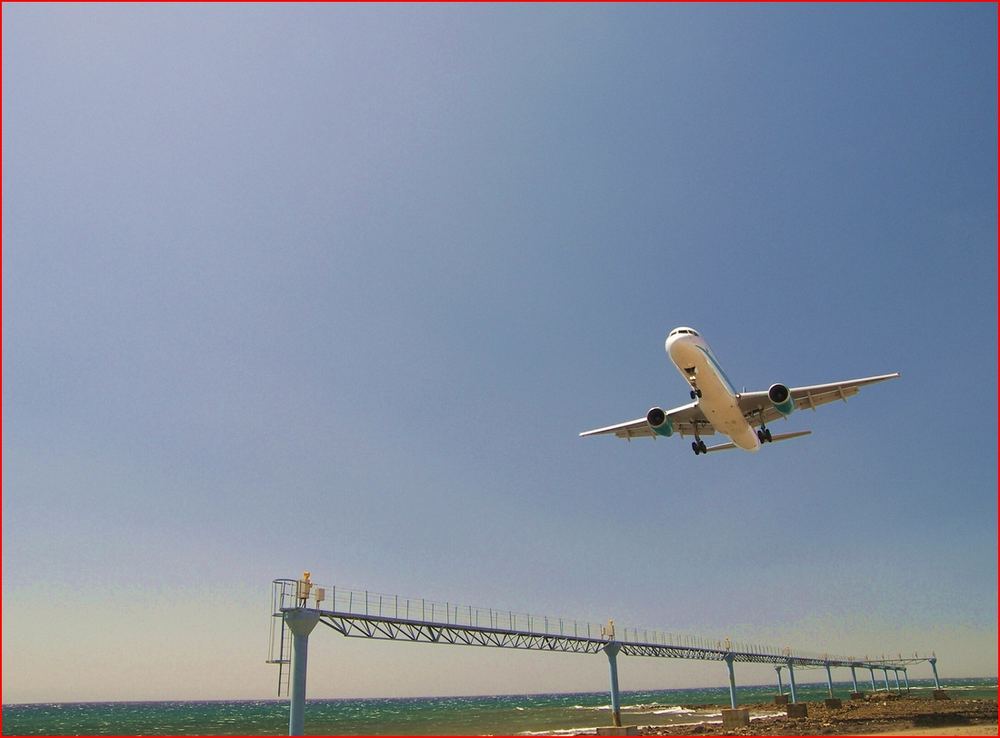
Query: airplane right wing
pixel 757 407
pixel 683 419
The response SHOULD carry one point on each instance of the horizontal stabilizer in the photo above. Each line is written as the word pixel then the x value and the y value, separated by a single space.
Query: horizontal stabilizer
pixel 720 447
pixel 779 437
pixel 786 436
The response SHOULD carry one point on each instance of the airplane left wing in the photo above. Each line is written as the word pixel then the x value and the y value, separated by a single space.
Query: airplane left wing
pixel 758 408
pixel 683 418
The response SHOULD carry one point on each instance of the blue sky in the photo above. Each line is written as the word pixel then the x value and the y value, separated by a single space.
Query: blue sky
pixel 336 287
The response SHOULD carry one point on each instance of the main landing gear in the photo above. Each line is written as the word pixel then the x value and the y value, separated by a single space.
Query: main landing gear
pixel 699 447
pixel 695 393
pixel 764 435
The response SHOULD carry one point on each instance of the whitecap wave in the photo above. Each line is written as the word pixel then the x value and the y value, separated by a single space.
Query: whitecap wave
pixel 676 710
pixel 766 715
pixel 561 731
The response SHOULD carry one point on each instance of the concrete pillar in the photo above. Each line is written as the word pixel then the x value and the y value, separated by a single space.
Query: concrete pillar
pixel 732 680
pixel 791 680
pixel 797 710
pixel 301 622
pixel 854 679
pixel 781 689
pixel 829 679
pixel 612 650
pixel 872 670
pixel 933 660
pixel 735 719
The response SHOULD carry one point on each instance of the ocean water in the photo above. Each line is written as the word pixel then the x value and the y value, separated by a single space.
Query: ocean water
pixel 495 715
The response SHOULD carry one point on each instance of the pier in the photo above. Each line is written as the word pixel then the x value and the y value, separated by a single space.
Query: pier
pixel 298 606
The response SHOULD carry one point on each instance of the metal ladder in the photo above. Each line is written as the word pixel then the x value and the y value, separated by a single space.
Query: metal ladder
pixel 280 653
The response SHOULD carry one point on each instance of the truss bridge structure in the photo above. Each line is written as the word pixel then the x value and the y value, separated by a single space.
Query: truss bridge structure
pixel 298 605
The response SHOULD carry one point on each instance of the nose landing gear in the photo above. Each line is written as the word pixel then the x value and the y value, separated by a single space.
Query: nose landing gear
pixel 692 377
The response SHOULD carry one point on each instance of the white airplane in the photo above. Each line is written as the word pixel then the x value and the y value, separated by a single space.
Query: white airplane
pixel 718 407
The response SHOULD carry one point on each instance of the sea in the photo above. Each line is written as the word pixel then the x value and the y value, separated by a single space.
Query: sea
pixel 531 714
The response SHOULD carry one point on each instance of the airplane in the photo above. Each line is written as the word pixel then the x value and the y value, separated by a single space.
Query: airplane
pixel 718 407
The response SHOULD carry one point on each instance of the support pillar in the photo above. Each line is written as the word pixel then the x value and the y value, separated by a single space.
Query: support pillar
pixel 885 673
pixel 906 679
pixel 791 680
pixel 781 690
pixel 301 622
pixel 732 680
pixel 895 675
pixel 854 679
pixel 612 650
pixel 933 660
pixel 829 679
pixel 872 670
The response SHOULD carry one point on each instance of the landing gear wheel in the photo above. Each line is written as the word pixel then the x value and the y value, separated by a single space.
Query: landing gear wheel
pixel 767 434
pixel 695 393
pixel 696 447
pixel 760 436
pixel 701 445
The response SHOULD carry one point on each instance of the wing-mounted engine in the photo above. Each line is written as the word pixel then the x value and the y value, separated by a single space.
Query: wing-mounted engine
pixel 781 398
pixel 659 422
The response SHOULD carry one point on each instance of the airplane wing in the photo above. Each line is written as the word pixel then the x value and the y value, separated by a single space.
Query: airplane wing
pixel 759 409
pixel 683 418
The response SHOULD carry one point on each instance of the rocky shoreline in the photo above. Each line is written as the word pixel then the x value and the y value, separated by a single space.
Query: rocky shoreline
pixel 861 717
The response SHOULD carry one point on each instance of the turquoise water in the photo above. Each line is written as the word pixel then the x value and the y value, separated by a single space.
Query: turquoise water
pixel 507 715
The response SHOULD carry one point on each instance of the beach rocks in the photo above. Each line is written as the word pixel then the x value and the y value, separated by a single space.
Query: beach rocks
pixel 854 718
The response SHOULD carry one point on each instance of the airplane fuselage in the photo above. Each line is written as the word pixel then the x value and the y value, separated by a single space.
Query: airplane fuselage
pixel 717 397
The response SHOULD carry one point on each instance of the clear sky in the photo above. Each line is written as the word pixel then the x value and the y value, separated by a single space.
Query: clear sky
pixel 335 288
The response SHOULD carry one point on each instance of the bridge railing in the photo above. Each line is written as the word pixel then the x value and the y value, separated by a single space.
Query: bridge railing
pixel 291 593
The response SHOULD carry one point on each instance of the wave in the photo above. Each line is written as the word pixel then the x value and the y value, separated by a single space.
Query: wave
pixel 676 710
pixel 767 715
pixel 657 708
pixel 686 725
pixel 561 731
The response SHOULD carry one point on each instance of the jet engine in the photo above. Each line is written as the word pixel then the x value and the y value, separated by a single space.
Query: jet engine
pixel 659 422
pixel 781 398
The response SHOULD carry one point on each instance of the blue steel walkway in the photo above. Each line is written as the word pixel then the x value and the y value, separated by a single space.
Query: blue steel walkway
pixel 298 606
